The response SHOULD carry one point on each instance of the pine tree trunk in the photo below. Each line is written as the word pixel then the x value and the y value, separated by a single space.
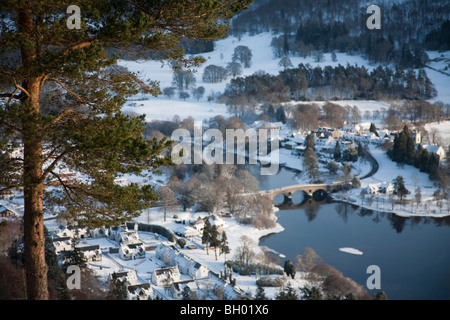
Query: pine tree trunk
pixel 35 265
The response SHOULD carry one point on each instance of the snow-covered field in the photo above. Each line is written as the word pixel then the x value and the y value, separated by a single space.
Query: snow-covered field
pixel 163 108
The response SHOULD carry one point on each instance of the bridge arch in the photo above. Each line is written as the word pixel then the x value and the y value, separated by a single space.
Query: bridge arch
pixel 319 195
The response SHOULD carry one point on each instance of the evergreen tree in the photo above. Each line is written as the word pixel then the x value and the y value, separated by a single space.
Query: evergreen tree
pixel 287 293
pixel 418 155
pixel 373 129
pixel 424 157
pixel 64 95
pixel 310 164
pixel 337 151
pixel 312 293
pixel 206 236
pixel 310 143
pixel 289 269
pixel 433 166
pixel 117 288
pixel 215 240
pixel 224 248
pixel 187 293
pixel 399 187
pixel 260 294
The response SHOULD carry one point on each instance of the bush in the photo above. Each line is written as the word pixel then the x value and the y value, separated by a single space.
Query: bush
pixel 271 282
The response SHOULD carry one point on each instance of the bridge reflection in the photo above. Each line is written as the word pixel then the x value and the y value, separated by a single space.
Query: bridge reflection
pixel 299 198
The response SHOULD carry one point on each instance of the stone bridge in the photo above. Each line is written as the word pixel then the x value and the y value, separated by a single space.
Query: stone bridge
pixel 310 190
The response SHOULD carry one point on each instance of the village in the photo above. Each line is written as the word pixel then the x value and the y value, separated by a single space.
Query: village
pixel 153 265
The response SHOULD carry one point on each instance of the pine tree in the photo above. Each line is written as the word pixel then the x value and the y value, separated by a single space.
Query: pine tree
pixel 310 164
pixel 286 293
pixel 63 95
pixel 373 129
pixel 399 187
pixel 417 156
pixel 215 240
pixel 206 236
pixel 337 151
pixel 289 269
pixel 260 294
pixel 424 157
pixel 224 248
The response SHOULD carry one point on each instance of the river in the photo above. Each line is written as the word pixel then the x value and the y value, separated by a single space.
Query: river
pixel 412 253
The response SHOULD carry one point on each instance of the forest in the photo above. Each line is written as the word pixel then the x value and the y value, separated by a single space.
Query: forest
pixel 351 82
pixel 301 27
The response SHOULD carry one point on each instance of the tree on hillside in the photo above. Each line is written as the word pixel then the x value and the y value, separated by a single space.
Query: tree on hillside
pixel 224 248
pixel 167 199
pixel 234 69
pixel 183 79
pixel 399 187
pixel 373 129
pixel 243 55
pixel 61 99
pixel 337 151
pixel 214 74
pixel 289 269
pixel 310 164
pixel 215 239
pixel 285 62
pixel 206 235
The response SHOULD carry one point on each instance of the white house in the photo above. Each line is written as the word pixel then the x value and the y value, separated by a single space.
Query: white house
pixel 377 188
pixel 62 244
pixel 132 251
pixel 166 276
pixel 128 277
pixel 129 237
pixel 114 233
pixel 190 232
pixel 372 189
pixel 435 149
pixel 63 231
pixel 197 270
pixel 177 288
pixel 141 291
pixel 351 128
pixel 91 253
pixel 386 188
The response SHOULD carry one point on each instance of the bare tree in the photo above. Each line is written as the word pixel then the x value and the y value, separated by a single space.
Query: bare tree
pixel 234 69
pixel 307 260
pixel 244 55
pixel 214 74
pixel 244 253
pixel 167 198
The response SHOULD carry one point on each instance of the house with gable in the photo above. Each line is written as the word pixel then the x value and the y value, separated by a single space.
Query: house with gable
pixel 128 277
pixel 91 253
pixel 435 149
pixel 114 232
pixel 129 237
pixel 63 231
pixel 132 251
pixel 177 289
pixel 197 270
pixel 166 276
pixel 5 212
pixel 141 291
pixel 62 244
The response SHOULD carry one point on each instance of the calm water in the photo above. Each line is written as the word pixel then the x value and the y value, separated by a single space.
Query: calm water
pixel 412 253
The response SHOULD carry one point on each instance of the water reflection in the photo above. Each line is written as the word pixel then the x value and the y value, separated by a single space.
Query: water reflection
pixel 310 208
